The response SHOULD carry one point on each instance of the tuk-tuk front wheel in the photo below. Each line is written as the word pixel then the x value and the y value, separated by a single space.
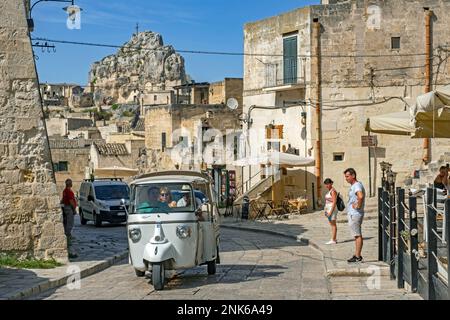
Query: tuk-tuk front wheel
pixel 158 276
pixel 212 267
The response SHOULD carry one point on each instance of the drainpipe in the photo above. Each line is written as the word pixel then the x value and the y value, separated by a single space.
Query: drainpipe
pixel 316 39
pixel 428 73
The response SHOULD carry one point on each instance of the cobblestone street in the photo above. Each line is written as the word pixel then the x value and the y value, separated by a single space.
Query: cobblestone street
pixel 253 267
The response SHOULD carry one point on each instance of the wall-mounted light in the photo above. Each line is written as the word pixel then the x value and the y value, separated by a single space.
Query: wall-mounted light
pixel 303 115
pixel 73 21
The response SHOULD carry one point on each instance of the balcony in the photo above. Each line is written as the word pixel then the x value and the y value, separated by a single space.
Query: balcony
pixel 285 74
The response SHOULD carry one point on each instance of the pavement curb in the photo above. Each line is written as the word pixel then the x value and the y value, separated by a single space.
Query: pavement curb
pixel 58 282
pixel 359 271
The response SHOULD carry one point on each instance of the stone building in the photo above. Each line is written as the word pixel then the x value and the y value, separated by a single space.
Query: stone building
pixel 60 94
pixel 221 91
pixel 30 215
pixel 122 155
pixel 70 160
pixel 317 73
pixel 64 127
pixel 192 137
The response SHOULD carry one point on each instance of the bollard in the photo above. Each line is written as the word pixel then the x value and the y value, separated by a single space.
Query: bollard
pixel 245 207
pixel 400 243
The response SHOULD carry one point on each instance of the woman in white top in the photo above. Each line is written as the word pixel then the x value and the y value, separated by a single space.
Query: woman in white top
pixel 331 210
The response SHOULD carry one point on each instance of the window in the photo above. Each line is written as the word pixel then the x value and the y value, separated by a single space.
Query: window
pixel 395 43
pixel 61 166
pixel 155 97
pixel 290 60
pixel 163 141
pixel 274 132
pixel 338 156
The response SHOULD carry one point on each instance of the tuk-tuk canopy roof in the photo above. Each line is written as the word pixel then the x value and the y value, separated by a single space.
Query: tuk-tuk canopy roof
pixel 172 177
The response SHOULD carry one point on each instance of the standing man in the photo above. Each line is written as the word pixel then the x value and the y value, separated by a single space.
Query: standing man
pixel 69 209
pixel 356 202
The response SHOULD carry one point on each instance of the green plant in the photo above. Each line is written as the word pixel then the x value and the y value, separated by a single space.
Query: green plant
pixel 11 260
pixel 405 235
pixel 128 114
pixel 115 107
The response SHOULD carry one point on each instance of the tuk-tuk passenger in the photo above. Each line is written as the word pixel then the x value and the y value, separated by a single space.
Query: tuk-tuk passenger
pixel 153 203
pixel 166 197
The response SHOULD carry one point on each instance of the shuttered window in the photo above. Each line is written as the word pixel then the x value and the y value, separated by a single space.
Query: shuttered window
pixel 290 59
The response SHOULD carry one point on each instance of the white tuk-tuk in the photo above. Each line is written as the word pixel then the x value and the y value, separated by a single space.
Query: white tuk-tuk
pixel 173 223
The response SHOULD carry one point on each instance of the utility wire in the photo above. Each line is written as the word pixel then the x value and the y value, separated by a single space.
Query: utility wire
pixel 224 53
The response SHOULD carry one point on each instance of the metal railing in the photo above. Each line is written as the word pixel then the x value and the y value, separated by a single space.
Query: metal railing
pixel 398 240
pixel 284 72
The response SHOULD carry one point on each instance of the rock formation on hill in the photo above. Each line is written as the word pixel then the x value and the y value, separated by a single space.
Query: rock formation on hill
pixel 142 64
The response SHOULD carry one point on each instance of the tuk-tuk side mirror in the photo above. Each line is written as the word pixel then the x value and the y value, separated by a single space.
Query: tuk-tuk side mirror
pixel 123 203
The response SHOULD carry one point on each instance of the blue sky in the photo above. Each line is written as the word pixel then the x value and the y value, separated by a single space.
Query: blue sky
pixel 187 25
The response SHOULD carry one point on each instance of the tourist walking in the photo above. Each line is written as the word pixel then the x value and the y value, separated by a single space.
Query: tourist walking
pixel 69 209
pixel 331 209
pixel 355 210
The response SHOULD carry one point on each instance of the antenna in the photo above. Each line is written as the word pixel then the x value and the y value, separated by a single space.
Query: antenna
pixel 232 103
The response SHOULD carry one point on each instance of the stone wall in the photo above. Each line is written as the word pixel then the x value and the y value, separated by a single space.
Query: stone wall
pixel 77 159
pixel 220 92
pixel 355 38
pixel 30 216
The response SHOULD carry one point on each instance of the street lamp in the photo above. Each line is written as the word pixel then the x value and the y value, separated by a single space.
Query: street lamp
pixel 30 18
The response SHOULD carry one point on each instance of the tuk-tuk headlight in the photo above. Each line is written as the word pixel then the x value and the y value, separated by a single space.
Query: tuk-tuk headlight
pixel 135 234
pixel 184 232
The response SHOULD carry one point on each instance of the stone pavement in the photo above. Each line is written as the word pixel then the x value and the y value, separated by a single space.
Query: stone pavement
pixel 314 230
pixel 96 250
pixel 252 268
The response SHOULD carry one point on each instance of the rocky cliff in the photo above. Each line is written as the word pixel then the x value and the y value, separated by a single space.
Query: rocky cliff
pixel 144 63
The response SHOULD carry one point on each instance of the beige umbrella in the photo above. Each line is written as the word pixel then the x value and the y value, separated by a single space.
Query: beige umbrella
pixel 431 114
pixel 115 172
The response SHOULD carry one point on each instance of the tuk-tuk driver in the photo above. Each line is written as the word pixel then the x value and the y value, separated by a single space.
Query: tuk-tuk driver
pixel 153 204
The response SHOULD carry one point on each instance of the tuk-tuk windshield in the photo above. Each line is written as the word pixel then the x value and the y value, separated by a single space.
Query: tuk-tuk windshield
pixel 163 198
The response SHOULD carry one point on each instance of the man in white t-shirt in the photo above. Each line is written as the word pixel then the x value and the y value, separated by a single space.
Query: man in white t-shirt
pixel 355 211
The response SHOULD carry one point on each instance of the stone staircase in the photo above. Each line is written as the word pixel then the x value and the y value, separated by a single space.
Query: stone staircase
pixel 427 175
pixel 259 188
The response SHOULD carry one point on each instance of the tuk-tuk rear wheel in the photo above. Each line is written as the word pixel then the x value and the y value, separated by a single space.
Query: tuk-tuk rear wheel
pixel 158 276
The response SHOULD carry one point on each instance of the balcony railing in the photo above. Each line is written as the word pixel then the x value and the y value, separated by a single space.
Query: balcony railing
pixel 285 72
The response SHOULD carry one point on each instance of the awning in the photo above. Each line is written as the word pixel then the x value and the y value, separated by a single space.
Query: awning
pixel 397 123
pixel 275 158
pixel 115 172
pixel 431 114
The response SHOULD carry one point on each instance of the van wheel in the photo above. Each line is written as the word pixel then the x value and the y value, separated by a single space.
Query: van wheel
pixel 158 276
pixel 139 273
pixel 97 220
pixel 82 219
pixel 212 267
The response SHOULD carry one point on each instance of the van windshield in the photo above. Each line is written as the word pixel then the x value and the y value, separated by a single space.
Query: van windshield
pixel 112 192
pixel 163 198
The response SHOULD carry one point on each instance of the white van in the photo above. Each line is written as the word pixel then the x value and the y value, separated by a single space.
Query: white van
pixel 100 200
